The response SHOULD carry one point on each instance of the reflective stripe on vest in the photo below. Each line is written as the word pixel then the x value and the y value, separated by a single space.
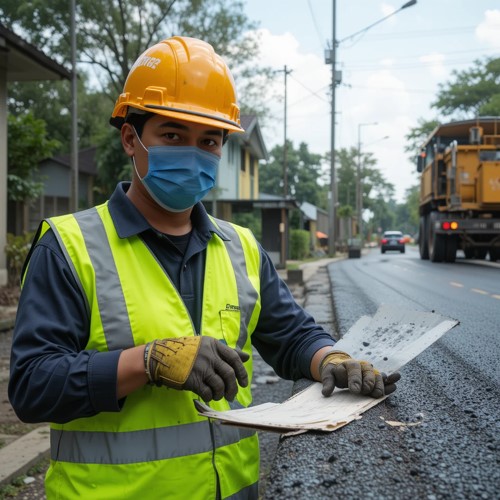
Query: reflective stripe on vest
pixel 139 446
pixel 246 292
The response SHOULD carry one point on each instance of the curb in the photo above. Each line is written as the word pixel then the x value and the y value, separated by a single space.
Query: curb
pixel 19 456
pixel 7 324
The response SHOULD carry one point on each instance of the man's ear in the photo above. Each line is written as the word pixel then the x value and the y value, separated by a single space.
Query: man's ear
pixel 129 137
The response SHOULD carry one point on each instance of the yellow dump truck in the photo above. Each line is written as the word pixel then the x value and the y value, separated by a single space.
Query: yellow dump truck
pixel 460 191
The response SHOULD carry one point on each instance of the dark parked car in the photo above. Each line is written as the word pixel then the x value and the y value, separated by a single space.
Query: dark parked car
pixel 392 240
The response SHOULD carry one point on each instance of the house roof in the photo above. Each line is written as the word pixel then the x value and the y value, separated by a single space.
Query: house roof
pixel 252 137
pixel 86 161
pixel 309 210
pixel 25 62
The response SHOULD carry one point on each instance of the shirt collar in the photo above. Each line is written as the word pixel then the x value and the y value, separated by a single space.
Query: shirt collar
pixel 129 221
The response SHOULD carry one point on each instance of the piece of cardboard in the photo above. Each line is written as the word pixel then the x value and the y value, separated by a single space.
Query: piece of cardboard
pixel 389 340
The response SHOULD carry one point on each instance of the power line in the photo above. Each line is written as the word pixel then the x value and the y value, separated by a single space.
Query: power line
pixel 423 33
pixel 315 93
pixel 394 89
pixel 408 65
pixel 316 27
pixel 412 58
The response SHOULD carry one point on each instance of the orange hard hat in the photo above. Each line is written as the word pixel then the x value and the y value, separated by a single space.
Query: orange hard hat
pixel 181 78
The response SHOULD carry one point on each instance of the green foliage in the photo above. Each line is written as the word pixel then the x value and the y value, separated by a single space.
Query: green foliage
pixel 417 136
pixel 251 220
pixel 111 34
pixel 28 145
pixel 16 251
pixel 304 170
pixel 345 211
pixel 299 244
pixel 373 183
pixel 412 202
pixel 113 165
pixel 472 92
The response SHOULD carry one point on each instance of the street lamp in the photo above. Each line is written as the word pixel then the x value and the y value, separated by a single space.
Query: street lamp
pixel 336 77
pixel 359 188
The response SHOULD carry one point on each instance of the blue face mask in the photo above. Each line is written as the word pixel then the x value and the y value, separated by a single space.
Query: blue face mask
pixel 179 176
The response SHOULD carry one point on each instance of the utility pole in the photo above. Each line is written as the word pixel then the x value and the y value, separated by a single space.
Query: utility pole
pixel 332 230
pixel 336 78
pixel 284 218
pixel 74 113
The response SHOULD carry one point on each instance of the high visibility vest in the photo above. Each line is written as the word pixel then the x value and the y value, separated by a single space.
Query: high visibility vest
pixel 157 446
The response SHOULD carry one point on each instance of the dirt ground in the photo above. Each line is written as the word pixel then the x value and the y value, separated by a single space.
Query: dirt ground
pixel 10 426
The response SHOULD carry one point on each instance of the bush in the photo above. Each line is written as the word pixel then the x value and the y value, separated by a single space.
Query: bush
pixel 16 250
pixel 299 244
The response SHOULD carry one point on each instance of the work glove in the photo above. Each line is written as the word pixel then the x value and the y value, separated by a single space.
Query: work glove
pixel 202 365
pixel 338 369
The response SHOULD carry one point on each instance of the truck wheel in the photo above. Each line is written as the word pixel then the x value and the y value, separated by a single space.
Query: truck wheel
pixel 437 242
pixel 480 253
pixel 469 252
pixel 422 239
pixel 494 254
pixel 451 249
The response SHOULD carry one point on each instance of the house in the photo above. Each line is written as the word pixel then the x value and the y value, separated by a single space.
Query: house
pixel 19 61
pixel 237 189
pixel 315 220
pixel 56 176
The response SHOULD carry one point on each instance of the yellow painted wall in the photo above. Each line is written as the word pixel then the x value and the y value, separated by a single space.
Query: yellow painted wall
pixel 246 182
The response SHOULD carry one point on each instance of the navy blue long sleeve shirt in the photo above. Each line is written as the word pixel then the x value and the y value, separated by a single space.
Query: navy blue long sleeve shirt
pixel 55 378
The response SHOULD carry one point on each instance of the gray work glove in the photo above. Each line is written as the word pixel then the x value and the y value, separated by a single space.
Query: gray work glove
pixel 338 369
pixel 202 365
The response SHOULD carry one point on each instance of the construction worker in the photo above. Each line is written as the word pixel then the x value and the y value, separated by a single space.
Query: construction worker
pixel 132 309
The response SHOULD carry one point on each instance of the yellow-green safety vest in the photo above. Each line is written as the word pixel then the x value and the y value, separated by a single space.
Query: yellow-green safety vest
pixel 157 446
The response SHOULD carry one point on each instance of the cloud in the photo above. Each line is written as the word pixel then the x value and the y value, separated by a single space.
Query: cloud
pixel 308 86
pixel 435 62
pixel 379 96
pixel 488 31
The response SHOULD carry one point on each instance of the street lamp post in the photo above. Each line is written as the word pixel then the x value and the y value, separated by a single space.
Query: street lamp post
pixel 332 230
pixel 359 182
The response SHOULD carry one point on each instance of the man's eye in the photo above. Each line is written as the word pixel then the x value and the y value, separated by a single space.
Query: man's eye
pixel 171 136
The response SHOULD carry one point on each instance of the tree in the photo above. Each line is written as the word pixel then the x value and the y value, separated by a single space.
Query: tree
pixel 304 171
pixel 28 145
pixel 113 33
pixel 473 92
pixel 417 136
pixel 373 183
pixel 470 93
pixel 51 102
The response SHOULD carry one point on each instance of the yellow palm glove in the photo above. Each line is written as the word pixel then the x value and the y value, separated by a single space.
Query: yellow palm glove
pixel 203 365
pixel 338 369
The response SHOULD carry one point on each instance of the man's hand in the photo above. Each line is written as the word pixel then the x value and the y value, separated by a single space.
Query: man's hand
pixel 203 365
pixel 338 369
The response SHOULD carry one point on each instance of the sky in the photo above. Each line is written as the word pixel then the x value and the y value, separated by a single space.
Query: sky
pixel 390 73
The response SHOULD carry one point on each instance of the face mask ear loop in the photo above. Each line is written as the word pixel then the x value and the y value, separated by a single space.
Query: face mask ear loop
pixel 133 156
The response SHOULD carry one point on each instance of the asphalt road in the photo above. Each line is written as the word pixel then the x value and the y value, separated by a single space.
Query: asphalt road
pixel 451 392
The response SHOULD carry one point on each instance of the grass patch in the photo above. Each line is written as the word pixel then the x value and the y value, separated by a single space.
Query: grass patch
pixel 17 484
pixel 17 428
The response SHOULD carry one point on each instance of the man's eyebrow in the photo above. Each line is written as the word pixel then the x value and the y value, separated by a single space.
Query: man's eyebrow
pixel 180 126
